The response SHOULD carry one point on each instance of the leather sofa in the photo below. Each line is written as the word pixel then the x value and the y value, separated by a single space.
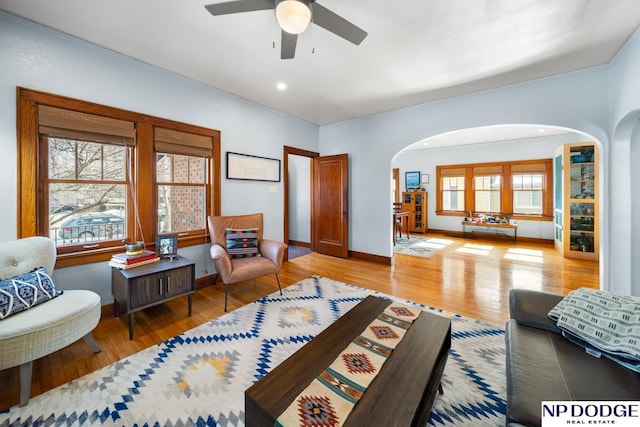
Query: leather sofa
pixel 544 366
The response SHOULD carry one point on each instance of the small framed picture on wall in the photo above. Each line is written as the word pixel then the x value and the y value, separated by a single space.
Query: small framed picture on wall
pixel 425 178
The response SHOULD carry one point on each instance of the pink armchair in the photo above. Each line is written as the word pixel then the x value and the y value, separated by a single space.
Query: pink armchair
pixel 236 269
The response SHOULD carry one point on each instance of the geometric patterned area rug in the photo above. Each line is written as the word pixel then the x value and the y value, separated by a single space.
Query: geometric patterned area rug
pixel 420 246
pixel 198 378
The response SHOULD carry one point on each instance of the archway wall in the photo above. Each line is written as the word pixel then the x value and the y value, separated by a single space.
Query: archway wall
pixel 579 100
pixel 622 260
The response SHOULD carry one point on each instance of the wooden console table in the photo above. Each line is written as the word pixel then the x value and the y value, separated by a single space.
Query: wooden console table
pixel 498 226
pixel 151 284
pixel 407 383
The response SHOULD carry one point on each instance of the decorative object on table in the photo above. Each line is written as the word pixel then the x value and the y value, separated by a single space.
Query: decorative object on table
pixel 199 377
pixel 412 180
pixel 133 248
pixel 424 247
pixel 167 245
pixel 125 260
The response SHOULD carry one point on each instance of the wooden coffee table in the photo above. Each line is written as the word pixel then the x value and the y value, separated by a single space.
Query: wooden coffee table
pixel 403 392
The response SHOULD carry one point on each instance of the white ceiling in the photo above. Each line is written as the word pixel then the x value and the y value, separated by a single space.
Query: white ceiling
pixel 416 51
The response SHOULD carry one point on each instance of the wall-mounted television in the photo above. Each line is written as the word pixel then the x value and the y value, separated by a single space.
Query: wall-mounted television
pixel 412 180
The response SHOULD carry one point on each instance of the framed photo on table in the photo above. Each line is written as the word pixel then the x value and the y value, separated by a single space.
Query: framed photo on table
pixel 167 245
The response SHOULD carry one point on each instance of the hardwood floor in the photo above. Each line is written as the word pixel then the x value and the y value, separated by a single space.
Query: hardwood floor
pixel 468 277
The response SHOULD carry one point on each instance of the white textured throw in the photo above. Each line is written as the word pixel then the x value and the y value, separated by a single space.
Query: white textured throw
pixel 605 321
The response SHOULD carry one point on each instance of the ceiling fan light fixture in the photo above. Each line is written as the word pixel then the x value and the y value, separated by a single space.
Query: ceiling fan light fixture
pixel 294 16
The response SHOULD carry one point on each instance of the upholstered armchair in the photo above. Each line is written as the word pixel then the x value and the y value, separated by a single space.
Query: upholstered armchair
pixel 48 323
pixel 240 253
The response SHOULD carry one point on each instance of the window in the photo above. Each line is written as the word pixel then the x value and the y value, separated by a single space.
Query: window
pixel 487 193
pixel 527 194
pixel 83 183
pixel 181 176
pixel 105 175
pixel 518 189
pixel 453 193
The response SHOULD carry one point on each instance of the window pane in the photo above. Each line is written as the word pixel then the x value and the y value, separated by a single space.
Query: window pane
pixel 453 183
pixel 487 193
pixel 83 213
pixel 181 208
pixel 173 168
pixel 82 160
pixel 453 200
pixel 181 197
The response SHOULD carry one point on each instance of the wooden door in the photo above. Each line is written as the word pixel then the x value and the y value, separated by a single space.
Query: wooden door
pixel 330 205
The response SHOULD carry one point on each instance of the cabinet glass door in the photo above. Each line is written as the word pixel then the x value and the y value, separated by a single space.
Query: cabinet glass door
pixel 582 227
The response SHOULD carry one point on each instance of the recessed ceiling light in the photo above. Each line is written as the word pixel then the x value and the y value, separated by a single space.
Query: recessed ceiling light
pixel 541 130
pixel 281 86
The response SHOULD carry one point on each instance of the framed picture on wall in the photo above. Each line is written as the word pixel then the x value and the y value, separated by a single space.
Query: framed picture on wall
pixel 412 180
pixel 425 178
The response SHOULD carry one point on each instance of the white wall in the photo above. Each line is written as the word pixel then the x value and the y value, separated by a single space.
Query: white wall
pixel 426 160
pixel 300 198
pixel 622 258
pixel 37 58
pixel 576 101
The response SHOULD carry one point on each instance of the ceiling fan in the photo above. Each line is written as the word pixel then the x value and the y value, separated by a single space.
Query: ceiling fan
pixel 294 16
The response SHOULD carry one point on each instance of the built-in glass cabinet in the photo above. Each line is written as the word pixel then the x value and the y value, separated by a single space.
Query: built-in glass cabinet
pixel 576 201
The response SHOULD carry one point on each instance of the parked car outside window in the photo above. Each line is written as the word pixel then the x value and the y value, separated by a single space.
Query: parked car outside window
pixel 102 226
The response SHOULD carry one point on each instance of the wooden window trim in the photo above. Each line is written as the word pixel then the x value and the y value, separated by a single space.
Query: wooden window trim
pixel 28 200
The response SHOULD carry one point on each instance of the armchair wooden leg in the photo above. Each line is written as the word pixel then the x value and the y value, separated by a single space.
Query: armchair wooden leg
pixel 279 287
pixel 225 297
pixel 25 382
pixel 91 342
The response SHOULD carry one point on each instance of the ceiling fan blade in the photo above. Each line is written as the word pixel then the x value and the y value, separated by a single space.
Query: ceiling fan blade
pixel 339 26
pixel 239 6
pixel 288 49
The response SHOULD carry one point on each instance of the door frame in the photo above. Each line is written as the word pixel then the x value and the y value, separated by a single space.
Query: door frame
pixel 285 179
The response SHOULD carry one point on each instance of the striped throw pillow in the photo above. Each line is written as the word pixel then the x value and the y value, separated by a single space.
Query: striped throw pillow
pixel 242 243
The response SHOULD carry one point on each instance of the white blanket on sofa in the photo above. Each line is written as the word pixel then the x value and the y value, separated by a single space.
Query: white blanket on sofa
pixel 600 320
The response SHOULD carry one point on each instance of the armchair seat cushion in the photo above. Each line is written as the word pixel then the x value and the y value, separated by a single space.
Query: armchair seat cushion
pixel 249 268
pixel 34 333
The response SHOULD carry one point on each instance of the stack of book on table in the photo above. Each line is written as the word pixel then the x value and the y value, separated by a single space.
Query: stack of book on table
pixel 125 260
